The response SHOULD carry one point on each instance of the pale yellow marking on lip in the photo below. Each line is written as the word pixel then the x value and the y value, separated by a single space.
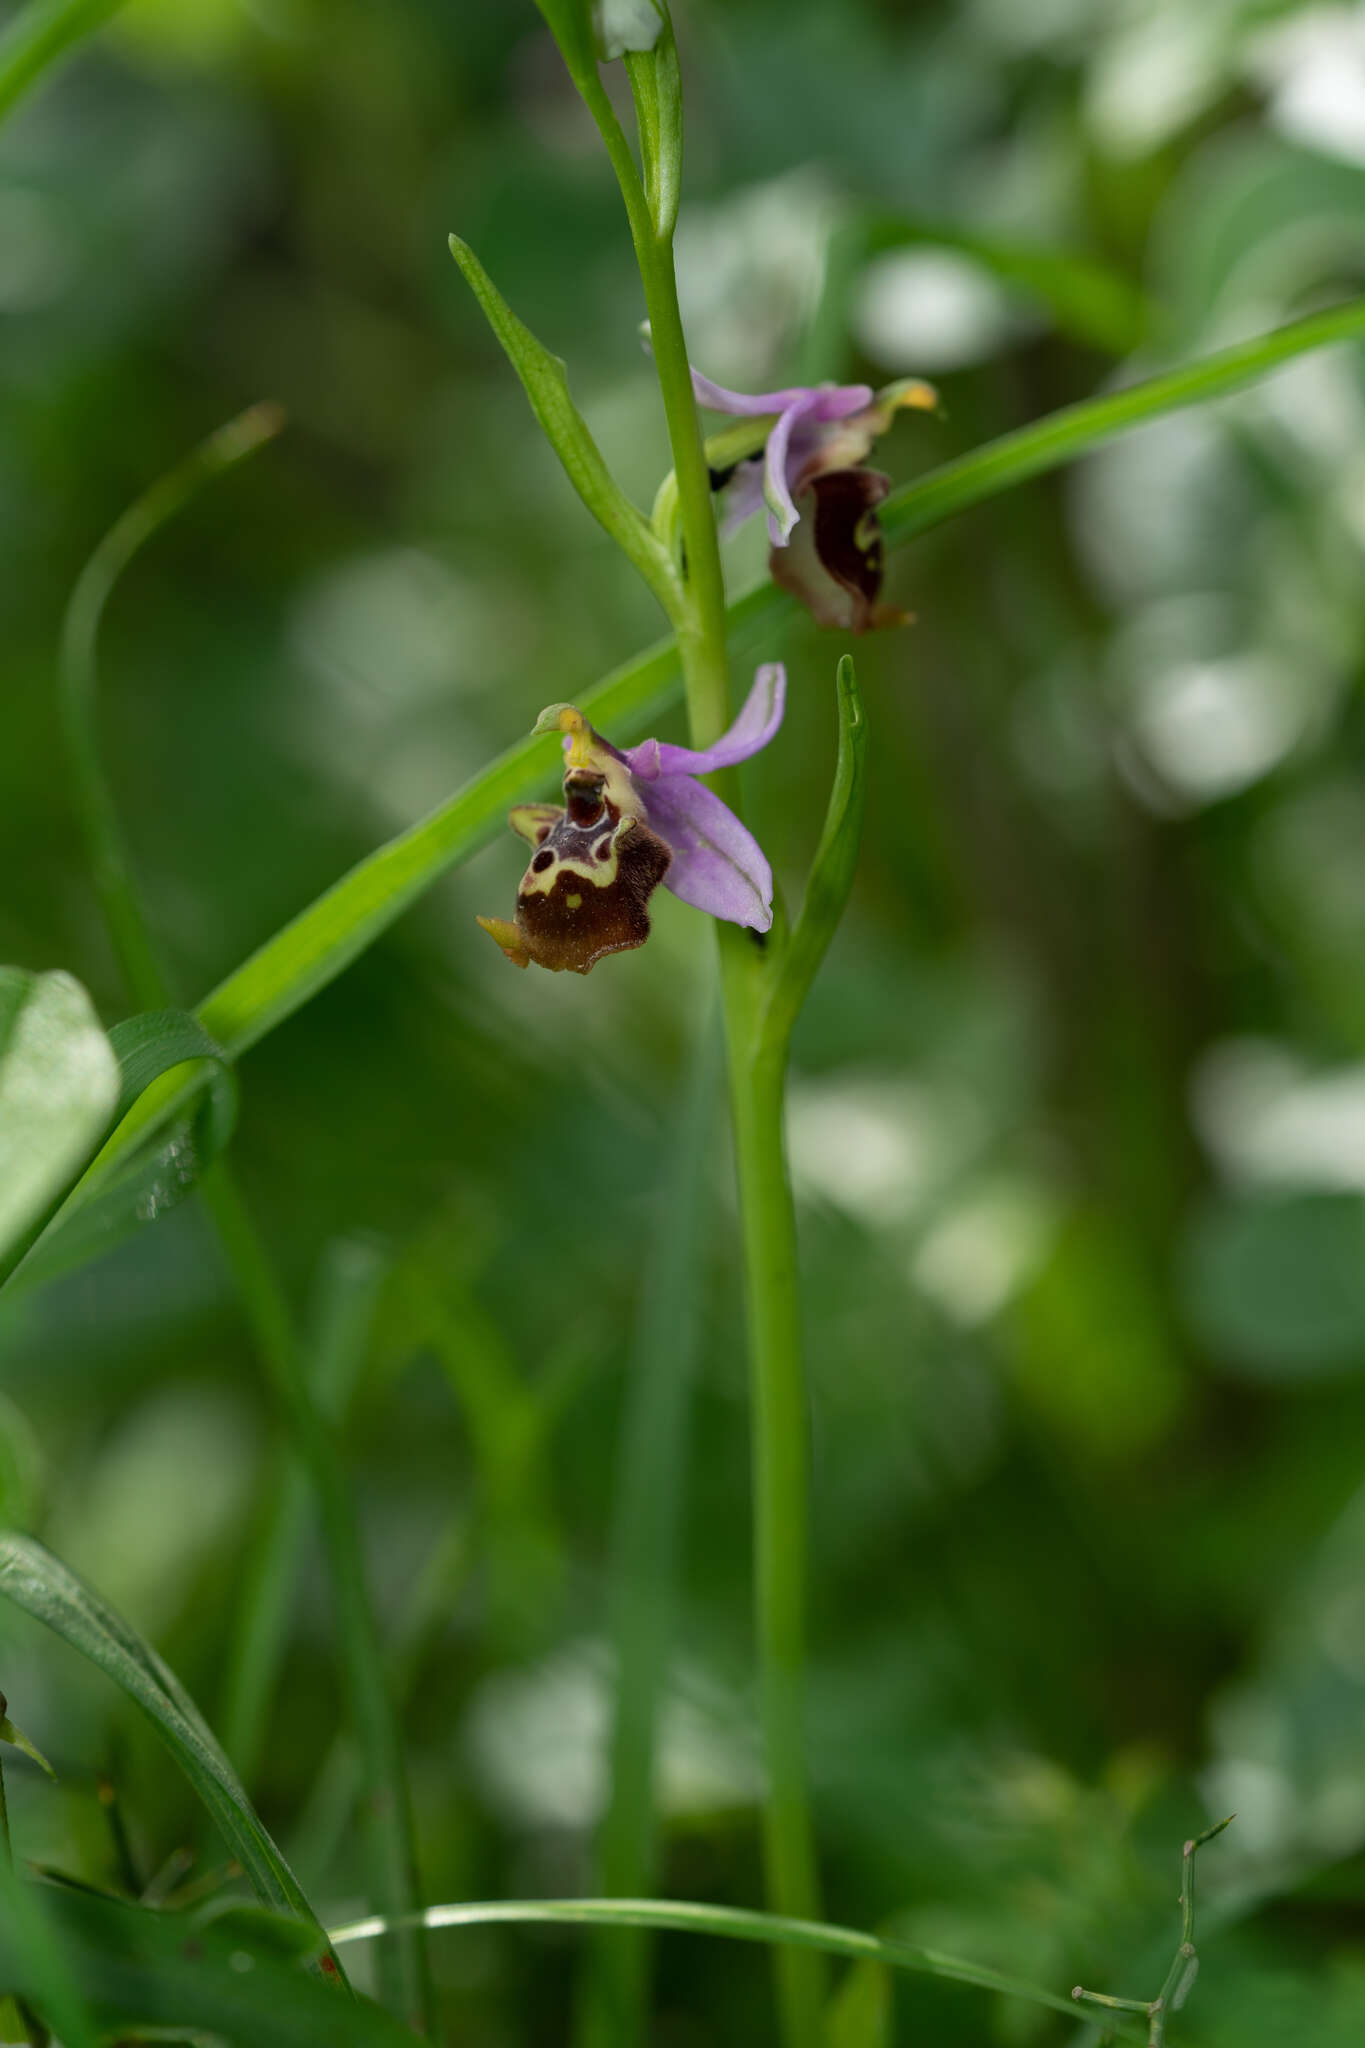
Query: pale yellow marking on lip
pixel 574 902
pixel 599 873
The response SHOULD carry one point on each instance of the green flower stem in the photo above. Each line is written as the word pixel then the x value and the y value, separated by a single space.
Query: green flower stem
pixel 780 1493
pixel 757 1084
pixel 404 1969
pixel 1184 1968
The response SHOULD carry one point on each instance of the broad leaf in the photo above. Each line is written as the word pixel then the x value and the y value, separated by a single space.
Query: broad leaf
pixel 59 1083
pixel 162 1171
pixel 230 1977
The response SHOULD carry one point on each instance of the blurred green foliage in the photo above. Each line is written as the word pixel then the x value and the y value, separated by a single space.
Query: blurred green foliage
pixel 1078 1116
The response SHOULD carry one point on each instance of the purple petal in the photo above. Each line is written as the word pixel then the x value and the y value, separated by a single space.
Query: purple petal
pixel 742 496
pixel 717 866
pixel 782 513
pixel 829 401
pixel 755 726
pixel 837 401
pixel 716 398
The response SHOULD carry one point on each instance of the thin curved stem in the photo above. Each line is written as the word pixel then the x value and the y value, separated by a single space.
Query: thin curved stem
pixel 732 1923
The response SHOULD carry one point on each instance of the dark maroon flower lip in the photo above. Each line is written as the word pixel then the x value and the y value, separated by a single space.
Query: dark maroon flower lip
pixel 821 500
pixel 629 821
pixel 816 428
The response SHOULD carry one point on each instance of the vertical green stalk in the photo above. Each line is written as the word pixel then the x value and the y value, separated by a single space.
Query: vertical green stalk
pixel 757 1064
pixel 403 1964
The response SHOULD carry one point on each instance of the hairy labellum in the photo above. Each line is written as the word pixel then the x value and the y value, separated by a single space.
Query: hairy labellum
pixel 586 891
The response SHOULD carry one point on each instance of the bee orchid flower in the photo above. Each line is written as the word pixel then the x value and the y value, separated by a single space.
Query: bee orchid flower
pixel 821 501
pixel 630 820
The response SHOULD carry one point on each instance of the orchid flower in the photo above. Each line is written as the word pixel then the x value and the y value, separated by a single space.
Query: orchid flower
pixel 629 821
pixel 821 502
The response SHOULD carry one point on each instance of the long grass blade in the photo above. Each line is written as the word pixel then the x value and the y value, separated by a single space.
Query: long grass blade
pixel 348 1290
pixel 39 1583
pixel 734 1923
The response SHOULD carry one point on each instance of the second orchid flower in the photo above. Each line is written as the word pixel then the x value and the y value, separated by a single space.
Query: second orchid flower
pixel 821 500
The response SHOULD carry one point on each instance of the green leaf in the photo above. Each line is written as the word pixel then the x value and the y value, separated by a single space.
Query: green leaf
pixel 859 2014
pixel 570 23
pixel 59 1083
pixel 153 1043
pixel 229 1977
pixel 18 1740
pixel 34 1958
pixel 656 87
pixel 166 1168
pixel 546 384
pixel 38 35
pixel 39 1583
pixel 832 870
pixel 314 947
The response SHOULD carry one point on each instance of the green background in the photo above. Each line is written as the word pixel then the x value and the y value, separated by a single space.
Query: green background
pixel 1078 1104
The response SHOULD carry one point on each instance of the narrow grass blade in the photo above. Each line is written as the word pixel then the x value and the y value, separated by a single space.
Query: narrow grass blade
pixel 348 1291
pixel 733 1923
pixel 144 1973
pixel 832 870
pixel 404 1974
pixel 39 35
pixel 77 679
pixel 322 940
pixel 1063 436
pixel 651 1468
pixel 431 1597
pixel 33 1579
pixel 546 384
